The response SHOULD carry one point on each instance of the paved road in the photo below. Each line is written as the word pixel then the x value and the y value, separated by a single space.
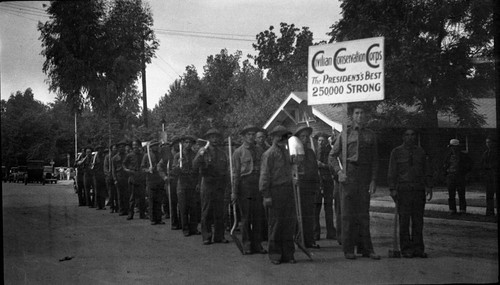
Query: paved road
pixel 43 224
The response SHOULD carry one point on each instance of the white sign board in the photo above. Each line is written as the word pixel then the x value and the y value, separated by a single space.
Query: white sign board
pixel 351 71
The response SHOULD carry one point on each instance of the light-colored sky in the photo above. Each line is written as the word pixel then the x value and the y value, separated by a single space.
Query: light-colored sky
pixel 188 30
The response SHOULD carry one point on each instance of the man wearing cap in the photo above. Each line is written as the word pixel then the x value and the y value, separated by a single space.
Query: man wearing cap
pixel 308 185
pixel 276 187
pixel 154 183
pixel 358 182
pixel 410 181
pixel 99 181
pixel 120 179
pixel 186 186
pixel 112 194
pixel 325 197
pixel 489 167
pixel 213 164
pixel 457 165
pixel 246 170
pixel 136 181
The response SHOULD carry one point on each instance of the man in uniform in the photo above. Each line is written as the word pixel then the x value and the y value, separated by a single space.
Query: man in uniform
pixel 246 170
pixel 308 185
pixel 99 181
pixel 112 195
pixel 187 198
pixel 136 181
pixel 154 183
pixel 80 186
pixel 489 167
pixel 410 181
pixel 276 186
pixel 120 179
pixel 88 177
pixel 325 197
pixel 457 165
pixel 213 164
pixel 358 182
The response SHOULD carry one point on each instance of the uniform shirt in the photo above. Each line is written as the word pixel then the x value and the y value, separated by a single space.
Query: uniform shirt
pixel 99 165
pixel 117 165
pixel 187 163
pixel 409 164
pixel 275 169
pixel 132 162
pixel 246 160
pixel 213 163
pixel 361 149
pixel 151 178
pixel 107 165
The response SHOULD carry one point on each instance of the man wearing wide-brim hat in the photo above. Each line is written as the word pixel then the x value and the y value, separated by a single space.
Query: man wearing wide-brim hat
pixel 88 176
pixel 246 171
pixel 276 187
pixel 308 185
pixel 456 166
pixel 213 164
pixel 188 198
pixel 120 179
pixel 154 183
pixel 112 194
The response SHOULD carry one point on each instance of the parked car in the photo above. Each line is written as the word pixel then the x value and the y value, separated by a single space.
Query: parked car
pixel 35 172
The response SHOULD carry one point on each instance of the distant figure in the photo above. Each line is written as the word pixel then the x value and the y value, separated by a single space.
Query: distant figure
pixel 489 166
pixel 456 166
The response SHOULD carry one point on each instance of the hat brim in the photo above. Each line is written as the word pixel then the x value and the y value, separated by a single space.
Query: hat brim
pixel 305 129
pixel 252 129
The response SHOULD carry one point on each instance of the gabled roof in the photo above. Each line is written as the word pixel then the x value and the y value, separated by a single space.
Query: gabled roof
pixel 334 115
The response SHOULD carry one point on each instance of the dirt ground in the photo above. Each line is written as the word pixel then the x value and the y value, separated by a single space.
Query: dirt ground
pixel 43 225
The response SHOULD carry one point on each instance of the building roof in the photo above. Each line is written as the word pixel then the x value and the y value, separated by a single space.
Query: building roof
pixel 333 114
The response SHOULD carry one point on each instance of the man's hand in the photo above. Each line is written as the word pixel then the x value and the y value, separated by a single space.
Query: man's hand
pixel 267 202
pixel 342 176
pixel 394 195
pixel 234 197
pixel 373 187
pixel 428 193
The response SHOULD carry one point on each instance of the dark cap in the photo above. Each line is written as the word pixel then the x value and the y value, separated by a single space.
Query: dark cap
pixel 279 131
pixel 249 128
pixel 213 131
pixel 303 129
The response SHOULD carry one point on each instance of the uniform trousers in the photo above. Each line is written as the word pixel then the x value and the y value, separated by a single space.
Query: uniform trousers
pixel 81 189
pixel 252 212
pixel 112 193
pixel 491 183
pixel 282 223
pixel 212 208
pixel 88 181
pixel 325 199
pixel 99 184
pixel 137 190
pixel 411 204
pixel 188 201
pixel 123 194
pixel 155 193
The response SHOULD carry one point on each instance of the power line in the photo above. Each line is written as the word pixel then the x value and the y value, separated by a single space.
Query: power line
pixel 18 5
pixel 204 33
pixel 18 15
pixel 203 36
pixel 161 58
pixel 24 11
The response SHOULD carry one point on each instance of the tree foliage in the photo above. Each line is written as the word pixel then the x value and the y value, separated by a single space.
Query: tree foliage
pixel 430 51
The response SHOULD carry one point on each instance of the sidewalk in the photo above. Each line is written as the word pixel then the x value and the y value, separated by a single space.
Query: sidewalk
pixel 476 200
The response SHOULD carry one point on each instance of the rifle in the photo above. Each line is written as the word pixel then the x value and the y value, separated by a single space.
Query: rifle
pixel 235 224
pixel 296 150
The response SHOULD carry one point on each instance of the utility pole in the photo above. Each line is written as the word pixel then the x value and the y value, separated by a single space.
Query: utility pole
pixel 144 93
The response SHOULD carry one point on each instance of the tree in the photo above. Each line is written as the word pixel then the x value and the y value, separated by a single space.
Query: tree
pixel 430 47
pixel 284 57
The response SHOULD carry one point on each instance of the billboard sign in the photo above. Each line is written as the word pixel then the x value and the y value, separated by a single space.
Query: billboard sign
pixel 351 71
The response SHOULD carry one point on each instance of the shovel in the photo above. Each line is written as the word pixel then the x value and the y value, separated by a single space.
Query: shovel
pixel 395 252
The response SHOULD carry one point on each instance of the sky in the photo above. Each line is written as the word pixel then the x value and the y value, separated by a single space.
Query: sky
pixel 188 30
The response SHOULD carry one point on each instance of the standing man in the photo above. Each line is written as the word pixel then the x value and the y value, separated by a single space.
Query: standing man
pixel 213 164
pixel 308 185
pixel 457 165
pixel 120 179
pixel 99 181
pixel 276 186
pixel 246 171
pixel 410 181
pixel 88 177
pixel 136 181
pixel 110 185
pixel 186 186
pixel 489 167
pixel 154 183
pixel 80 186
pixel 325 197
pixel 358 182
